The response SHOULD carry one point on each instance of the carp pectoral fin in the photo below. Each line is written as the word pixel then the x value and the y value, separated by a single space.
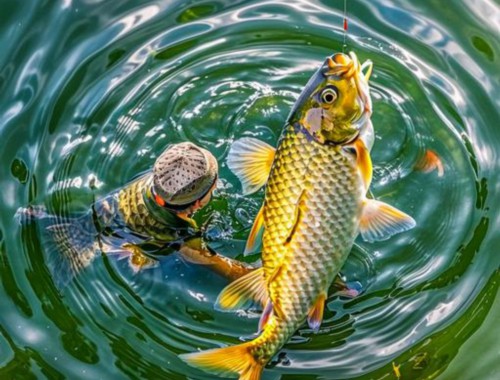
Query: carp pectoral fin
pixel 137 259
pixel 258 224
pixel 315 316
pixel 188 219
pixel 380 221
pixel 244 291
pixel 251 160
pixel 363 162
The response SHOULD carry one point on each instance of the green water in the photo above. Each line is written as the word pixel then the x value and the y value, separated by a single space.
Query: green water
pixel 92 91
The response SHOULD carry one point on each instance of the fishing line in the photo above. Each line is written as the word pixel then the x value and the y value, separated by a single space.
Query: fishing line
pixel 345 25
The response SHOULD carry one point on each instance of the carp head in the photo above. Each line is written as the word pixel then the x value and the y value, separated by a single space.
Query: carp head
pixel 335 104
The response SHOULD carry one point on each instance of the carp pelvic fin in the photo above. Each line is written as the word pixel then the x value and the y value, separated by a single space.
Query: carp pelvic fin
pixel 380 221
pixel 227 361
pixel 251 160
pixel 266 315
pixel 244 291
pixel 258 224
pixel 315 316
pixel 344 289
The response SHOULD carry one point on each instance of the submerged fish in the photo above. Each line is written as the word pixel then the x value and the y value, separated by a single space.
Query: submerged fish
pixel 130 223
pixel 315 205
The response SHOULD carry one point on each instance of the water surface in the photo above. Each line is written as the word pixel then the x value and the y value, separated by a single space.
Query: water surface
pixel 93 91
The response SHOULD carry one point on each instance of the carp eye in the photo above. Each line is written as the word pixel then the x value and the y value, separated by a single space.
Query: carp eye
pixel 329 95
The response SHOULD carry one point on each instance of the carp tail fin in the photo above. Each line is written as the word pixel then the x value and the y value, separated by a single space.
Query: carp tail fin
pixel 227 361
pixel 67 243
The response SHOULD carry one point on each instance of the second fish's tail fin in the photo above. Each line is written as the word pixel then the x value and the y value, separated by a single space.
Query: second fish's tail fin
pixel 68 243
pixel 227 361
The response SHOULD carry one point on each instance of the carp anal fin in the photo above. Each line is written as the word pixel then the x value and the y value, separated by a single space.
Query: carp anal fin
pixel 251 160
pixel 244 291
pixel 315 316
pixel 380 221
pixel 258 224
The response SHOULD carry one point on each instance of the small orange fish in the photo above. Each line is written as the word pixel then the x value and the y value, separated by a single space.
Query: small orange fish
pixel 429 162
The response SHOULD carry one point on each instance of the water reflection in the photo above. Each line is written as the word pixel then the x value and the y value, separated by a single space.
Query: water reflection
pixel 94 107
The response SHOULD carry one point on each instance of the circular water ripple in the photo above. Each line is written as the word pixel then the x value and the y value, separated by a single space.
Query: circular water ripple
pixel 129 80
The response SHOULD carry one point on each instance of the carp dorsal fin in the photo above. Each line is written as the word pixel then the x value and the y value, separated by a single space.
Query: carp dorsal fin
pixel 251 160
pixel 380 221
pixel 258 224
pixel 245 290
pixel 315 316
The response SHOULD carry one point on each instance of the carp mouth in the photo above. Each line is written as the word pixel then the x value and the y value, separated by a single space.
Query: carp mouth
pixel 348 66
